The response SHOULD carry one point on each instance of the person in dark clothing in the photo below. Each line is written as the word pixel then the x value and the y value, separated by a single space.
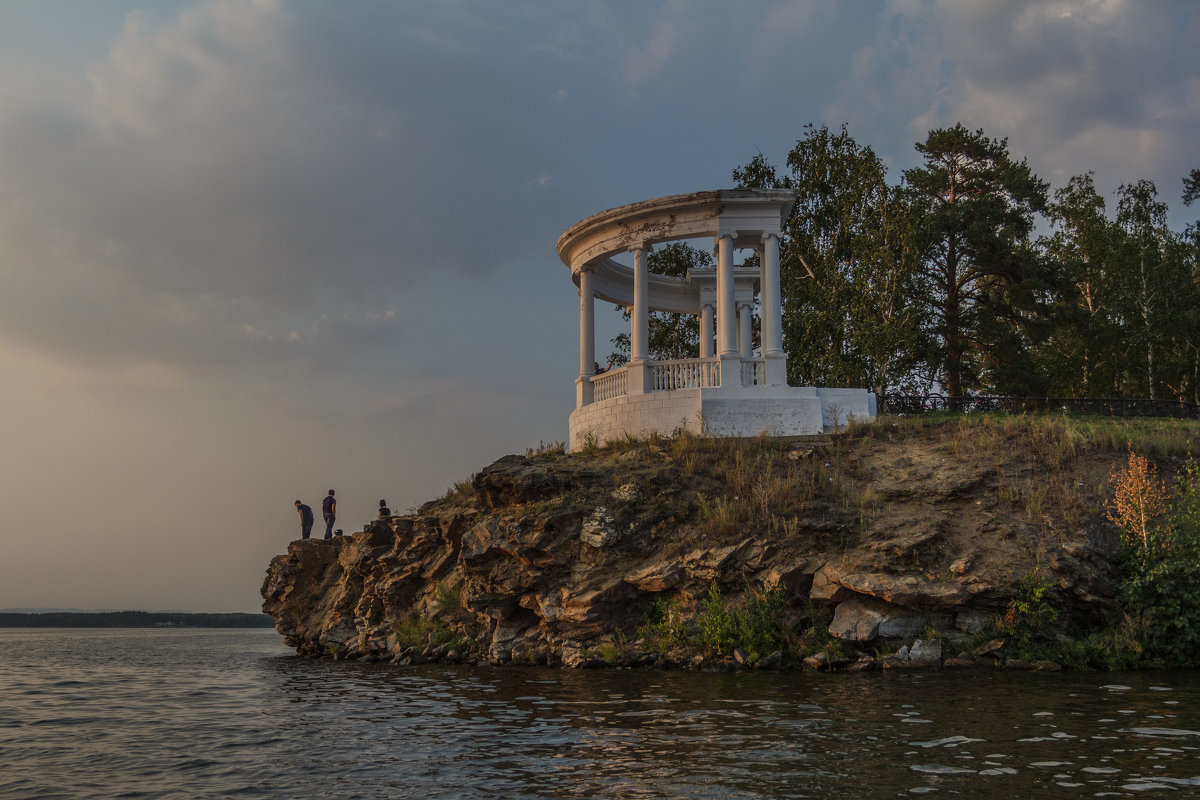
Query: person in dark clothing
pixel 306 519
pixel 384 511
pixel 329 511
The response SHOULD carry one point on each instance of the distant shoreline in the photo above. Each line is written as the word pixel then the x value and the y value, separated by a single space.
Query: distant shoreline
pixel 133 619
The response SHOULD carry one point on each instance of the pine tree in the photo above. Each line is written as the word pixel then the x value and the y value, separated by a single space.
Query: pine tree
pixel 979 274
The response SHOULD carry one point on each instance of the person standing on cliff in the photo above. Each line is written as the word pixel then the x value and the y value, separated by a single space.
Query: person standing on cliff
pixel 329 511
pixel 306 519
pixel 384 511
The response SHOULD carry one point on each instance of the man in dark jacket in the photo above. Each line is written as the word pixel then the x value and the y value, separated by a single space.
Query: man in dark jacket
pixel 306 519
pixel 329 511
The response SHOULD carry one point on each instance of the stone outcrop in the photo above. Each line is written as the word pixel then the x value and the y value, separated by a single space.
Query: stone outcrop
pixel 553 556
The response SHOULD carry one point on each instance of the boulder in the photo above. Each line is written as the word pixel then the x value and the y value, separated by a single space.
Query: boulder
pixel 816 663
pixel 906 590
pixel 925 653
pixel 988 648
pixel 970 620
pixel 864 619
pixel 862 665
pixel 827 586
pixel 772 661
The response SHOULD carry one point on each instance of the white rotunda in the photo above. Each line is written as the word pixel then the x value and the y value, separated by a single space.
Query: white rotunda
pixel 728 389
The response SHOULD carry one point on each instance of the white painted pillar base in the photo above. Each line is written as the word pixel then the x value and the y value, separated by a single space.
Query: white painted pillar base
pixel 776 369
pixel 639 378
pixel 585 393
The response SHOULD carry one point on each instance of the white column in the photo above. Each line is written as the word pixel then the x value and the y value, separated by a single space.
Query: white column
pixel 587 340
pixel 639 321
pixel 771 311
pixel 706 331
pixel 726 314
pixel 769 296
pixel 745 336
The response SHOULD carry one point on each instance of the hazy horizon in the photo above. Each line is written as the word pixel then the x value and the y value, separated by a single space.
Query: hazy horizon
pixel 257 250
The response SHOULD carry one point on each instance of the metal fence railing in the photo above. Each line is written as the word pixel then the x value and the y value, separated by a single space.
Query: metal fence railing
pixel 1111 407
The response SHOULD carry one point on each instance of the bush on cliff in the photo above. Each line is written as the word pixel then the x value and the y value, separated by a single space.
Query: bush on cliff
pixel 752 623
pixel 1161 590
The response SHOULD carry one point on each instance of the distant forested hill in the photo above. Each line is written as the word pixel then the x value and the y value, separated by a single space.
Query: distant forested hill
pixel 133 619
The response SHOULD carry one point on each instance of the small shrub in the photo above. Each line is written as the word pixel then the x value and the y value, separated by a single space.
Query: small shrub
pixel 546 449
pixel 665 627
pixel 1139 499
pixel 415 630
pixel 447 600
pixel 751 622
pixel 1028 613
pixel 615 652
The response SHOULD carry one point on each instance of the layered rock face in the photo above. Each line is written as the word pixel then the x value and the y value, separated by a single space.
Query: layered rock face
pixel 550 555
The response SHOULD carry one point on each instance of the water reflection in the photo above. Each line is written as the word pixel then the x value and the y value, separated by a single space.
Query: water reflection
pixel 460 731
pixel 193 714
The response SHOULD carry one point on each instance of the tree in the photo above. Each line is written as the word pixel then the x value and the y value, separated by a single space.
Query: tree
pixel 1084 343
pixel 1191 187
pixel 1151 274
pixel 670 335
pixel 1191 255
pixel 979 274
pixel 846 265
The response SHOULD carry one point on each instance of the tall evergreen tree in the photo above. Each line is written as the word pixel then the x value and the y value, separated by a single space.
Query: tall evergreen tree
pixel 978 270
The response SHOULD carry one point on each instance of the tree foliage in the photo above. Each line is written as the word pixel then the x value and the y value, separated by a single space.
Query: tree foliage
pixel 846 265
pixel 979 273
pixel 939 281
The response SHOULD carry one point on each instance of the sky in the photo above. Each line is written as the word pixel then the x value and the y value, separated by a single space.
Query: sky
pixel 253 250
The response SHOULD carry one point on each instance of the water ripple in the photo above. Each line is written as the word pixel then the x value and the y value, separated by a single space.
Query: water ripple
pixel 214 714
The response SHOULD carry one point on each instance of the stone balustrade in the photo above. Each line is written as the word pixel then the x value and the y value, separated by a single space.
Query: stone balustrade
pixel 685 373
pixel 608 385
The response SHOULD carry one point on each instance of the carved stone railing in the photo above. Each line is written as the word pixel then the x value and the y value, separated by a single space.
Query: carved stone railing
pixel 754 372
pixel 608 385
pixel 685 373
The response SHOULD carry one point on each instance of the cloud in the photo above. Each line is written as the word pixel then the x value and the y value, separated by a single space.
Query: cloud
pixel 1109 85
pixel 250 164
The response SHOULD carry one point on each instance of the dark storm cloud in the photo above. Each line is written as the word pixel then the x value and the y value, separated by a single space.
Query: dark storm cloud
pixel 250 162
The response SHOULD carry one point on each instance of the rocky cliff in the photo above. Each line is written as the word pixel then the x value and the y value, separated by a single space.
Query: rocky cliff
pixel 883 534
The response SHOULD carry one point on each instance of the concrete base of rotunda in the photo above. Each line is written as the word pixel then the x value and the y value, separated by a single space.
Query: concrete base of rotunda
pixel 738 412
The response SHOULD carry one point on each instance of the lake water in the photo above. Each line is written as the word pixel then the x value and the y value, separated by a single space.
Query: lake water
pixel 232 713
